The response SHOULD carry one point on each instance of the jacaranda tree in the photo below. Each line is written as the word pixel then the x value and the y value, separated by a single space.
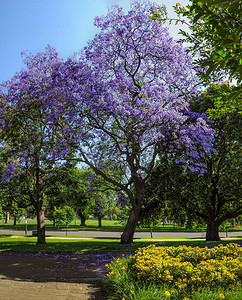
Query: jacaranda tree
pixel 32 145
pixel 116 102
pixel 131 88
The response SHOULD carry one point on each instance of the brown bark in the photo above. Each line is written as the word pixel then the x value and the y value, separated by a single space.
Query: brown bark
pixel 212 233
pixel 14 221
pixel 151 232
pixel 40 211
pixel 129 230
pixel 99 222
pixel 83 219
pixel 7 217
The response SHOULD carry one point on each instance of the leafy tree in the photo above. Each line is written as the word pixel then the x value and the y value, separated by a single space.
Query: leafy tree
pixel 12 200
pixel 215 196
pixel 70 188
pixel 64 215
pixel 102 195
pixel 16 212
pixel 79 192
pixel 214 36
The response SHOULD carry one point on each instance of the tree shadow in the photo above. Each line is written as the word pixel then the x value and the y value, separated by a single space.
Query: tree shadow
pixel 68 268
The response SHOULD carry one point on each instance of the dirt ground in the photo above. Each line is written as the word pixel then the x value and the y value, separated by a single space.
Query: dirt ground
pixel 52 276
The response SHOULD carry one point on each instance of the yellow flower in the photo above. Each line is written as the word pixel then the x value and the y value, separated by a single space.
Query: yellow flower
pixel 131 291
pixel 178 4
pixel 167 293
pixel 221 296
pixel 106 266
pixel 122 254
pixel 123 268
pixel 123 298
pixel 119 264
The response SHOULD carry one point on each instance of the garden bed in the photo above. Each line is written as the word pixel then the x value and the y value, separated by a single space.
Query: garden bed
pixel 177 273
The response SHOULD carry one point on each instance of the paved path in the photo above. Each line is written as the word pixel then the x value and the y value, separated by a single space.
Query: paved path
pixel 113 234
pixel 41 276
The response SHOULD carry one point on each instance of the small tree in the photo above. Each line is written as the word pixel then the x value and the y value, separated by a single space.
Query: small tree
pixel 64 215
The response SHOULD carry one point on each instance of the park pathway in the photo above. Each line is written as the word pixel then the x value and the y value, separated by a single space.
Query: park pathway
pixel 115 234
pixel 52 276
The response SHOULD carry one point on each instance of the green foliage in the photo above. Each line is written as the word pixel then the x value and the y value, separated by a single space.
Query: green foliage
pixel 64 215
pixel 215 40
pixel 216 32
pixel 70 189
pixel 223 100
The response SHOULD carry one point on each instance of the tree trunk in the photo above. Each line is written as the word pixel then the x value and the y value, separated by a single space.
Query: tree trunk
pixel 129 230
pixel 14 221
pixel 151 232
pixel 128 233
pixel 40 211
pixel 99 222
pixel 83 219
pixel 7 217
pixel 212 233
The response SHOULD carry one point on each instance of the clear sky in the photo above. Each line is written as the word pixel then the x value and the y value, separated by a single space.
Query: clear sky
pixel 64 24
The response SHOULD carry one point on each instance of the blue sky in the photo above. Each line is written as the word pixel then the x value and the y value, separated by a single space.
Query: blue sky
pixel 64 24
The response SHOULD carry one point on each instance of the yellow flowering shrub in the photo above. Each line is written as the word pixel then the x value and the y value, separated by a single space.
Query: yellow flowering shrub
pixel 188 267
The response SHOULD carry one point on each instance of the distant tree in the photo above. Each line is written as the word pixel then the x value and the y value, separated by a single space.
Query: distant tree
pixel 79 194
pixel 102 196
pixel 64 215
pixel 70 189
pixel 101 206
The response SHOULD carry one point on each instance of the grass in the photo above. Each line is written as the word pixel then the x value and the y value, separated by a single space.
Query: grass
pixel 107 225
pixel 78 245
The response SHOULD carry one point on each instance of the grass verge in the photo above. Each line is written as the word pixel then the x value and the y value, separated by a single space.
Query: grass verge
pixel 78 245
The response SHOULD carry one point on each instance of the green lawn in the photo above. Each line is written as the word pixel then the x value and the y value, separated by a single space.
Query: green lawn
pixel 108 225
pixel 75 245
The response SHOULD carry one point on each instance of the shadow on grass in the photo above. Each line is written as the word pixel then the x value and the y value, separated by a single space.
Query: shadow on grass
pixel 98 245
